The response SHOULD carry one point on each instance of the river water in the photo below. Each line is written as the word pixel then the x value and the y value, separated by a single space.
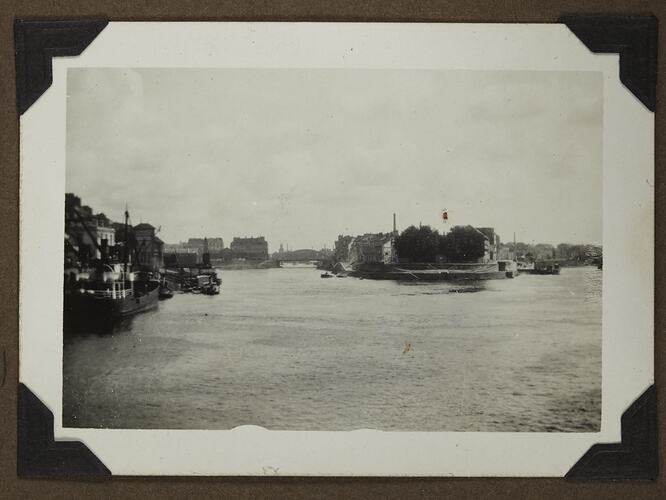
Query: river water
pixel 285 349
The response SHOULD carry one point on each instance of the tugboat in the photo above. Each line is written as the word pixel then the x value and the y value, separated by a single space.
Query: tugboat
pixel 208 283
pixel 326 275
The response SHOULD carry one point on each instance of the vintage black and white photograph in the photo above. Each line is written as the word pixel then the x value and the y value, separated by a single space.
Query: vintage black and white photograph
pixel 318 249
pixel 337 249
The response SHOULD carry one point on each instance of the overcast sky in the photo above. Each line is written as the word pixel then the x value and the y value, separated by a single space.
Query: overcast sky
pixel 300 156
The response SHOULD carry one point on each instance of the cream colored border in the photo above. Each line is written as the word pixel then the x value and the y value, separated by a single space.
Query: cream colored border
pixel 628 246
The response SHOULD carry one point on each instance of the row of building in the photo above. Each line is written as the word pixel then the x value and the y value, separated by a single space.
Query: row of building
pixel 254 249
pixel 93 237
pixel 381 248
pixel 196 248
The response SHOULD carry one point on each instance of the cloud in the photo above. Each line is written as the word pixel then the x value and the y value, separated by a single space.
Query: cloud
pixel 303 155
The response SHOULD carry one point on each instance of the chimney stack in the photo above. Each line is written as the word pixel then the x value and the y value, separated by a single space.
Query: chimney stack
pixel 394 229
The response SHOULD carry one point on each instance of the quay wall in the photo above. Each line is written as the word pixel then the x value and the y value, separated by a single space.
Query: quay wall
pixel 430 272
pixel 423 266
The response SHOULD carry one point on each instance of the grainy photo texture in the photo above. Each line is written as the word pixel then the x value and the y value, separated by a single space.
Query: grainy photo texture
pixel 333 249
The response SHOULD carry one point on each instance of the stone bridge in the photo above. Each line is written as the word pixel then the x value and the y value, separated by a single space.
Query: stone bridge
pixel 300 256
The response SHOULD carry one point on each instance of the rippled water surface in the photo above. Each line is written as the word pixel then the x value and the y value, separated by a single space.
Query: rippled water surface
pixel 285 349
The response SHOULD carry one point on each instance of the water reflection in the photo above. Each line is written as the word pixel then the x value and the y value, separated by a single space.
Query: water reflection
pixel 86 329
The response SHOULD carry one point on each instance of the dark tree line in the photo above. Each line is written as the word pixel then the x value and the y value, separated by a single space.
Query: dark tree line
pixel 572 253
pixel 424 244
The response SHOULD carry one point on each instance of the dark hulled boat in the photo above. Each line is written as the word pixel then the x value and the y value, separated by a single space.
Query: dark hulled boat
pixel 107 291
pixel 106 300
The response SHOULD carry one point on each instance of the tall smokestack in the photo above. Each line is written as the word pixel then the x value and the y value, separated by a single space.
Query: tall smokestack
pixel 394 229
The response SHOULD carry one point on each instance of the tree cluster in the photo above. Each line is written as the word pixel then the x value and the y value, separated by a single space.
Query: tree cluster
pixel 424 244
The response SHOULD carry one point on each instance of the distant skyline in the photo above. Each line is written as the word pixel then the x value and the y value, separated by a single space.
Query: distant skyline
pixel 302 155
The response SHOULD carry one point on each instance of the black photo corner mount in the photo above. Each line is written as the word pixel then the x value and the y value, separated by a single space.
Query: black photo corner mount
pixel 36 42
pixel 40 456
pixel 634 38
pixel 635 457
